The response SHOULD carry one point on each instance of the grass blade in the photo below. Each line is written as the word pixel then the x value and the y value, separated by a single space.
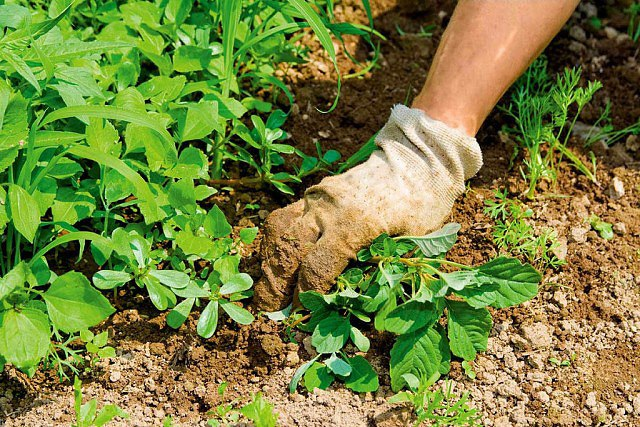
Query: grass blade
pixel 231 11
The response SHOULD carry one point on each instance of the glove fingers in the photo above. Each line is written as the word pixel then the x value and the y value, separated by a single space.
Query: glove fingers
pixel 323 264
pixel 287 239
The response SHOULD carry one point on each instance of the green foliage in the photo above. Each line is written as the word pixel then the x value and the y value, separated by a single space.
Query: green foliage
pixel 603 129
pixel 117 121
pixel 545 111
pixel 259 411
pixel 406 292
pixel 634 21
pixel 87 414
pixel 605 229
pixel 513 232
pixel 439 407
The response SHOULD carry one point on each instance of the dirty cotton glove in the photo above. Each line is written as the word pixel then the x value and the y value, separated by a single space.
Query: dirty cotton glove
pixel 406 188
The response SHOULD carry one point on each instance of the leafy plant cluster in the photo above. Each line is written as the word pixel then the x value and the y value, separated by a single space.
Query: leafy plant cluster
pixel 545 111
pixel 436 309
pixel 514 233
pixel 117 121
pixel 88 415
pixel 259 411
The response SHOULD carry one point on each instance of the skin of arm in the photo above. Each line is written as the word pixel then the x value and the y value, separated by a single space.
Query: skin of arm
pixel 485 47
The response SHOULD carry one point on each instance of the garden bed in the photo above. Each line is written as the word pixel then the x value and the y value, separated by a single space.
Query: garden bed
pixel 568 357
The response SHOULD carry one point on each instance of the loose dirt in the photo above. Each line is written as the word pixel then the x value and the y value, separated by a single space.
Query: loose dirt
pixel 587 312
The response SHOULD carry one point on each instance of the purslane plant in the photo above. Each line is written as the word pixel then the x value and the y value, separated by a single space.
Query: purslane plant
pixel 407 291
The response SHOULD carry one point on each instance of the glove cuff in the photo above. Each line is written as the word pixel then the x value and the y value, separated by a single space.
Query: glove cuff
pixel 410 133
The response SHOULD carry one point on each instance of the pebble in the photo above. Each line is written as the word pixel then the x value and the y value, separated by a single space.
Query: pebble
pixel 262 214
pixel 616 188
pixel 538 335
pixel 636 405
pixel 543 397
pixel 578 33
pixel 560 299
pixel 591 399
pixel 578 234
pixel 611 32
pixel 620 228
pixel 115 376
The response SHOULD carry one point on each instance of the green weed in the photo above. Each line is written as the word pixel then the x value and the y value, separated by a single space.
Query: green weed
pixel 440 407
pixel 545 111
pixel 87 414
pixel 634 22
pixel 259 411
pixel 406 292
pixel 605 229
pixel 513 232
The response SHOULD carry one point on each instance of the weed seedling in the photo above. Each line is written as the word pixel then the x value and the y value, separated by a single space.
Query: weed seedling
pixel 604 229
pixel 259 411
pixel 440 407
pixel 87 414
pixel 514 234
pixel 405 285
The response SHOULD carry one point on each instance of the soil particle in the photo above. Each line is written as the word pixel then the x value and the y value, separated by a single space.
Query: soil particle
pixel 537 335
pixel 616 188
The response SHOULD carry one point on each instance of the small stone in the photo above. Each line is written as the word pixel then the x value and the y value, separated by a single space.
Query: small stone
pixel 543 397
pixel 591 400
pixel 115 376
pixel 538 335
pixel 589 9
pixel 322 67
pixel 308 347
pixel 262 214
pixel 305 117
pixel 518 342
pixel 560 299
pixel 560 250
pixel 157 348
pixel 578 234
pixel 536 361
pixel 620 228
pixel 292 358
pixel 632 143
pixel 576 32
pixel 502 421
pixel 324 134
pixel 616 188
pixel 150 384
pixel 611 32
pixel 636 405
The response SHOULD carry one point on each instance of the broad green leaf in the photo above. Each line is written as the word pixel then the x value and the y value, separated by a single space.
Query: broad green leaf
pixel 216 223
pixel 24 337
pixel 227 266
pixel 107 414
pixel 260 412
pixel 171 278
pixel 313 301
pixel 194 245
pixel 331 334
pixel 116 187
pixel 318 376
pixel 45 194
pixel 192 164
pixel 191 58
pixel 420 353
pixel 182 196
pixel 338 366
pixel 480 296
pixel 74 305
pixel 178 10
pixel 180 312
pixel 438 242
pixel 72 205
pixel 102 136
pixel 236 283
pixel 110 279
pixel 20 67
pixel 411 316
pixel 517 282
pixel 237 313
pixel 468 329
pixel 208 321
pixel 14 279
pixel 23 210
pixel 363 378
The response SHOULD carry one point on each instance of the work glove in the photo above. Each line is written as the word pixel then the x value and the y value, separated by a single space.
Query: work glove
pixel 406 188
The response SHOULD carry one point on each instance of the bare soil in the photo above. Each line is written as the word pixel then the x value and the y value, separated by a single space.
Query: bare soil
pixel 587 311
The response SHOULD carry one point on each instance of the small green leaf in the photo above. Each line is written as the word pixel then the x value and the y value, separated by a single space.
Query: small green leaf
pixel 171 278
pixel 14 279
pixel 180 312
pixel 338 366
pixel 216 223
pixel 359 339
pixel 318 376
pixel 110 279
pixel 248 235
pixel 208 321
pixel 438 242
pixel 411 316
pixel 297 376
pixel 23 210
pixel 161 296
pixel 331 334
pixel 238 314
pixel 236 283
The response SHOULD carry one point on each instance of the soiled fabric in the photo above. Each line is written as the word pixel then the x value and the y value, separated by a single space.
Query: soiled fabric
pixel 406 188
